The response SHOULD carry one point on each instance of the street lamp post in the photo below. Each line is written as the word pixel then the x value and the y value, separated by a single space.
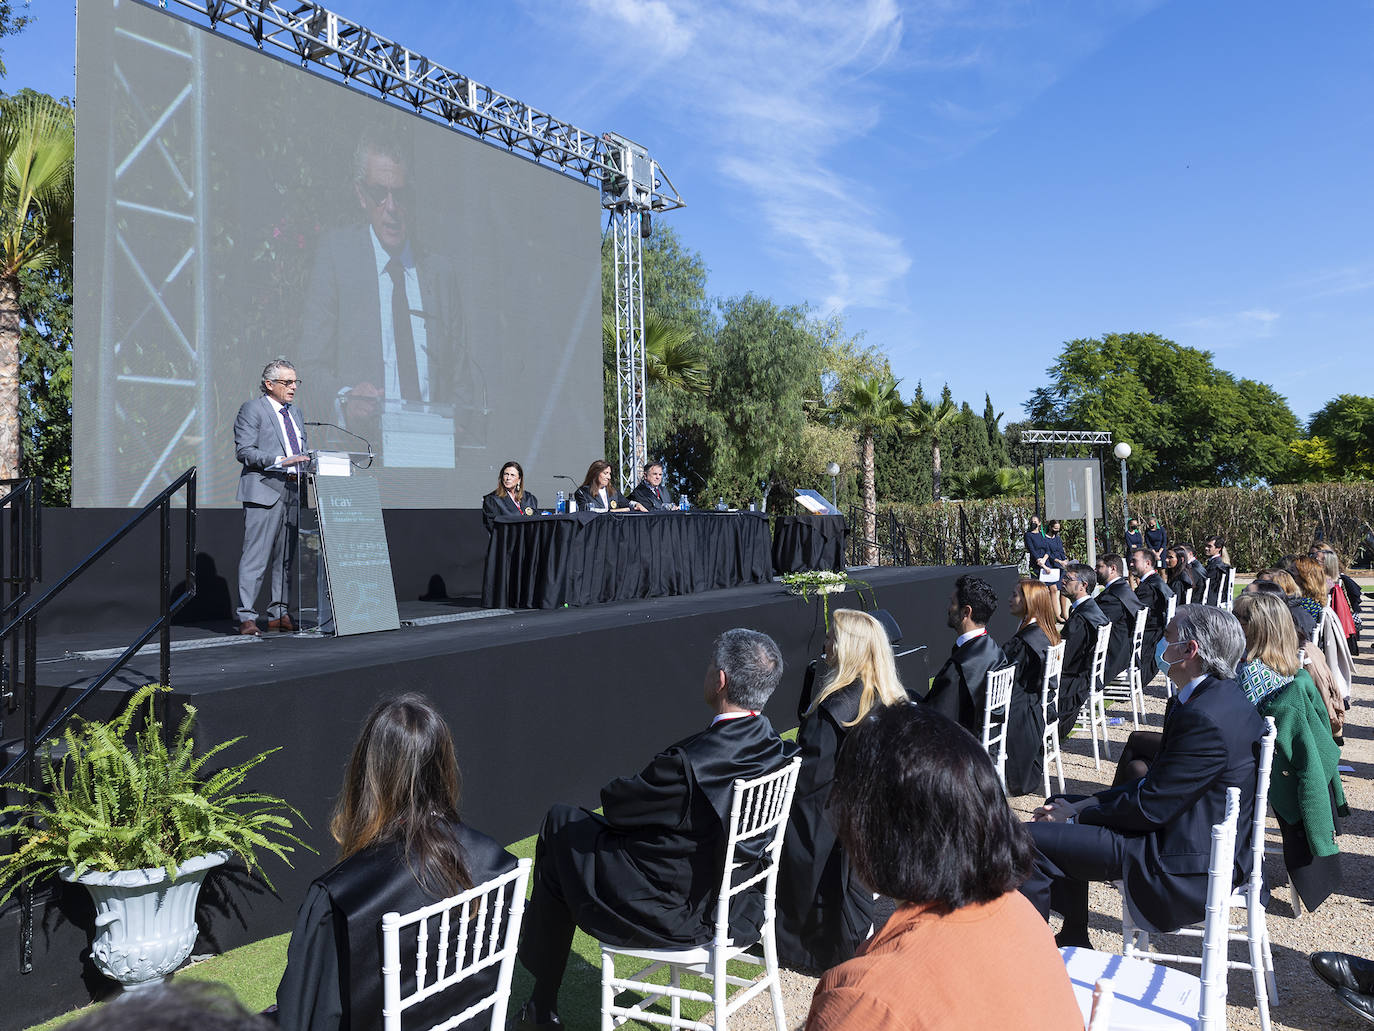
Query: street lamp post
pixel 1123 452
pixel 832 469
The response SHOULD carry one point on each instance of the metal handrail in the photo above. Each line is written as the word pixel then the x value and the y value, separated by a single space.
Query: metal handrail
pixel 169 607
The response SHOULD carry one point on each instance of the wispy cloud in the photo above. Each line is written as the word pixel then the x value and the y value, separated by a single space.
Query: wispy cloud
pixel 1353 279
pixel 1227 329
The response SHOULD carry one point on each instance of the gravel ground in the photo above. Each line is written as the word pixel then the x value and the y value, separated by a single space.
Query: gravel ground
pixel 1344 922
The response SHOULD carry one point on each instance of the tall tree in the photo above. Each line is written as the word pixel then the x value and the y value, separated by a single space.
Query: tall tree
pixel 1189 423
pixel 1346 423
pixel 929 421
pixel 37 144
pixel 45 414
pixel 996 441
pixel 866 405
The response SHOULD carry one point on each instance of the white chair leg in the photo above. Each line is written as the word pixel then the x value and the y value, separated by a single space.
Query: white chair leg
pixel 675 1003
pixel 719 986
pixel 607 992
pixel 770 966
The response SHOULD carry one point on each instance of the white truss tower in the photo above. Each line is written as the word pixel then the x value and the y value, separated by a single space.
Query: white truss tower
pixel 632 186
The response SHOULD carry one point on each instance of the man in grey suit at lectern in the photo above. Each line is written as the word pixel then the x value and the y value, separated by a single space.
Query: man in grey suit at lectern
pixel 269 441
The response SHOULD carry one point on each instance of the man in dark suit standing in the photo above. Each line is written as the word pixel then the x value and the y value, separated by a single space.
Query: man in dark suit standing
pixel 269 442
pixel 1154 834
pixel 960 688
pixel 1155 595
pixel 646 872
pixel 651 493
pixel 1119 604
pixel 1080 638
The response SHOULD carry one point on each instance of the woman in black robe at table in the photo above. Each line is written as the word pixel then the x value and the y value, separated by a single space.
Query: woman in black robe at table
pixel 510 498
pixel 823 912
pixel 1027 649
pixel 402 846
pixel 598 494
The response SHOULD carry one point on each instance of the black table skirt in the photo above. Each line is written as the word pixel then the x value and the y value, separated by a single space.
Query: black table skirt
pixel 544 562
pixel 807 542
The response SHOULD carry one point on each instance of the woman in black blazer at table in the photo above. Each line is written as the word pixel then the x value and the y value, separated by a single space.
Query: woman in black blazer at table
pixel 598 494
pixel 510 498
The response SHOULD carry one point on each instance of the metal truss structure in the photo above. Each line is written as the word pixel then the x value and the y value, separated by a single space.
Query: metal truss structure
pixel 631 183
pixel 1066 437
pixel 1092 440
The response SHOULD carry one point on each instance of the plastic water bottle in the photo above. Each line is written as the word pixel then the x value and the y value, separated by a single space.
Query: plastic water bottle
pixel 682 503
pixel 720 505
pixel 561 505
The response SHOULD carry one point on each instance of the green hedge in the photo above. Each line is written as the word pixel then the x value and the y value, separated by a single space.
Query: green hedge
pixel 1259 525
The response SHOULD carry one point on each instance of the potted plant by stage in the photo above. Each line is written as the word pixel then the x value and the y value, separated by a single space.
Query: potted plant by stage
pixel 140 822
pixel 824 582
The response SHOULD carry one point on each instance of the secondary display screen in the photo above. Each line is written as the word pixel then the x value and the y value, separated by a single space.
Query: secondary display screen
pixel 440 298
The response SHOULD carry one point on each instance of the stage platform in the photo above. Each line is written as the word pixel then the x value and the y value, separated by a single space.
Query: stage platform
pixel 545 706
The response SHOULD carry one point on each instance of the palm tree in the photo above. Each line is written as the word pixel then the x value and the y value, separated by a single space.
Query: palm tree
pixel 672 358
pixel 867 404
pixel 37 144
pixel 983 481
pixel 928 420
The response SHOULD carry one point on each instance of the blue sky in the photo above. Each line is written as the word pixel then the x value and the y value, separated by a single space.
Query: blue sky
pixel 970 184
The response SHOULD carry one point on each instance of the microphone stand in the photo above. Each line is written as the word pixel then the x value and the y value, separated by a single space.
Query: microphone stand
pixel 356 436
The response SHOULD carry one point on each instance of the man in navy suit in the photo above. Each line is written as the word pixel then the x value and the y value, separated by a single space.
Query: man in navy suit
pixel 269 442
pixel 646 870
pixel 1154 834
pixel 651 493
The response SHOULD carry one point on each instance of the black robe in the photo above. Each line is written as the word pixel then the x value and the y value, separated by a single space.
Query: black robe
pixel 333 977
pixel 1181 579
pixel 1216 579
pixel 824 912
pixel 653 498
pixel 494 505
pixel 1119 604
pixel 1080 637
pixel 1027 648
pixel 960 689
pixel 589 500
pixel 1155 595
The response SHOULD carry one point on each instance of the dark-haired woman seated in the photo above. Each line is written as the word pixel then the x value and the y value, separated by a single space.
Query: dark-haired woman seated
pixel 1179 576
pixel 510 498
pixel 402 846
pixel 598 494
pixel 824 913
pixel 922 817
pixel 1027 650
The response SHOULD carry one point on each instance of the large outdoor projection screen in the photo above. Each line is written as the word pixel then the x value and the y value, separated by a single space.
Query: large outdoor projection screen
pixel 233 208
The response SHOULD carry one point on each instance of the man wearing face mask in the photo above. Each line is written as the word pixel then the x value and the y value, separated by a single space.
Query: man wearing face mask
pixel 1154 833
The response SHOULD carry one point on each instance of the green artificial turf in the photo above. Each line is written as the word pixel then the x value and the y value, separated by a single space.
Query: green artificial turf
pixel 253 971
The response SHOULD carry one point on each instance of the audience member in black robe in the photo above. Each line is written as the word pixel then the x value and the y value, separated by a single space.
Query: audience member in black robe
pixel 1155 595
pixel 645 872
pixel 1080 638
pixel 1034 605
pixel 1178 574
pixel 402 846
pixel 1218 565
pixel 824 913
pixel 1119 604
pixel 960 689
pixel 1199 572
pixel 510 498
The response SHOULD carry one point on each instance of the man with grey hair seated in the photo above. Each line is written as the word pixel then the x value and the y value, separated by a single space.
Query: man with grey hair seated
pixel 1154 834
pixel 644 872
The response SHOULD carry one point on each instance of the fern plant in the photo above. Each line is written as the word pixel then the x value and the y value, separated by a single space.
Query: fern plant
pixel 122 798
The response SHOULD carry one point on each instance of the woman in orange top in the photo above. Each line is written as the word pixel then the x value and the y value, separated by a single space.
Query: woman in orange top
pixel 922 817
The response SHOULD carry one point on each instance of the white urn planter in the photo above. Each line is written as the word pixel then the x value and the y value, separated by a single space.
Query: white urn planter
pixel 145 926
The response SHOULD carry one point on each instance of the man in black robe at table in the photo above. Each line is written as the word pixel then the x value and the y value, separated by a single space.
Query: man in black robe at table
pixel 646 873
pixel 1155 595
pixel 1080 637
pixel 1119 604
pixel 651 493
pixel 961 687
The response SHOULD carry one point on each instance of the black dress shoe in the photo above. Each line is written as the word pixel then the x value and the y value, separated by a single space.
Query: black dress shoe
pixel 1361 1004
pixel 1342 970
pixel 524 1021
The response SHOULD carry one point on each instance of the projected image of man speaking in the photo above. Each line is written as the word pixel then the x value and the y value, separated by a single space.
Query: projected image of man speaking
pixel 383 322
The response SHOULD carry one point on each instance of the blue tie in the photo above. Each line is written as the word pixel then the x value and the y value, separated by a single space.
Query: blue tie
pixel 291 441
